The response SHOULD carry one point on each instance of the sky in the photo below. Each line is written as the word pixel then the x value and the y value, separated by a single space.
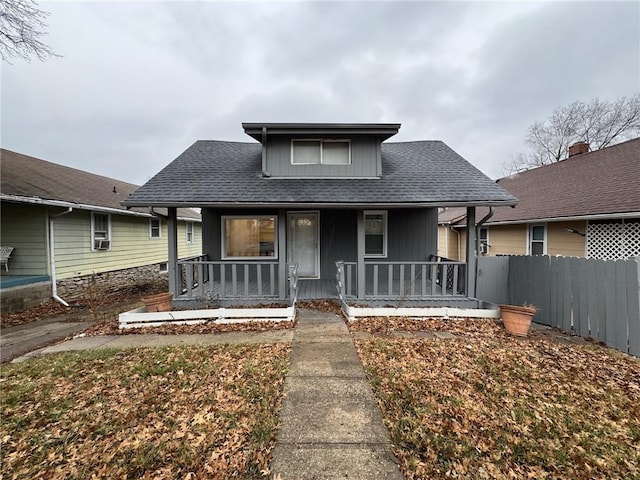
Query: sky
pixel 137 83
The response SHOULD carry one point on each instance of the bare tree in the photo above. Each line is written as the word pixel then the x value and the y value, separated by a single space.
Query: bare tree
pixel 22 25
pixel 599 123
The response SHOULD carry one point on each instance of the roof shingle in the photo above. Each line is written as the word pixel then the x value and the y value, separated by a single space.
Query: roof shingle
pixel 230 173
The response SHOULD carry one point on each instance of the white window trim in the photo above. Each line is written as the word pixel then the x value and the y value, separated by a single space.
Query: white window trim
pixel 384 232
pixel 93 232
pixel 186 232
pixel 223 253
pixel 530 237
pixel 151 228
pixel 321 141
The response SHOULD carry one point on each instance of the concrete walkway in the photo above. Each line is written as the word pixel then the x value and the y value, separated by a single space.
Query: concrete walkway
pixel 331 426
pixel 155 340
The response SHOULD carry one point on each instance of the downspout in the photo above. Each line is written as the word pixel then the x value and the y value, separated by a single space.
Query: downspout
pixel 52 257
pixel 480 223
pixel 264 152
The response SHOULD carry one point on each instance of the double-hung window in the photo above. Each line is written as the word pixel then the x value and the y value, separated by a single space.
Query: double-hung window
pixel 155 230
pixel 375 233
pixel 537 240
pixel 189 232
pixel 246 237
pixel 316 152
pixel 100 231
pixel 483 237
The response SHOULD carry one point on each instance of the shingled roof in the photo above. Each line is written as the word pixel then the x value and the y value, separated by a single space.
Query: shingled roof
pixel 603 183
pixel 211 173
pixel 27 179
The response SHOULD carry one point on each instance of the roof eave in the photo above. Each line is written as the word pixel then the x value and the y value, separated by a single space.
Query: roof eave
pixel 482 203
pixel 381 130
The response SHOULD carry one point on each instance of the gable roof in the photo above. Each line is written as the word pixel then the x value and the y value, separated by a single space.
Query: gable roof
pixel 217 173
pixel 27 179
pixel 602 183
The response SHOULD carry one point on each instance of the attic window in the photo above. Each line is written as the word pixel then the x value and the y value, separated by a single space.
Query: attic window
pixel 315 152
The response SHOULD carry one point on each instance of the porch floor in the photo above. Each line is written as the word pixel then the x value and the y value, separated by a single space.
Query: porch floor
pixel 314 289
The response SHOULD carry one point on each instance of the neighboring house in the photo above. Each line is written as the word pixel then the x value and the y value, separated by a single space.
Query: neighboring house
pixel 69 225
pixel 587 205
pixel 335 200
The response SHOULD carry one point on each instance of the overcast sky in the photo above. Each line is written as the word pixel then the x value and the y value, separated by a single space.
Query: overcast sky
pixel 139 82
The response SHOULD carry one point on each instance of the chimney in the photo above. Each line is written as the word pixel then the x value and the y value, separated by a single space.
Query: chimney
pixel 578 148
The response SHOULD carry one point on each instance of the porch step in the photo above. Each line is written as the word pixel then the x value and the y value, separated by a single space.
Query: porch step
pixel 331 426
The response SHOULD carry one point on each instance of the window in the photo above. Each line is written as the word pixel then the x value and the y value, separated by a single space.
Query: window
pixel 244 237
pixel 154 228
pixel 100 231
pixel 483 236
pixel 163 267
pixel 537 234
pixel 314 152
pixel 189 232
pixel 375 233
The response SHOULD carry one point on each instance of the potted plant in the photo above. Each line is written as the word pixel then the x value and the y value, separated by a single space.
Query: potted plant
pixel 517 318
pixel 160 302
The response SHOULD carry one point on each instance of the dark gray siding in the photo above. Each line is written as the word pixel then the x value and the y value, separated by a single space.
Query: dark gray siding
pixel 413 234
pixel 337 240
pixel 365 162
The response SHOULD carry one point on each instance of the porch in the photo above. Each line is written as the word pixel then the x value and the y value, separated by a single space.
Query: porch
pixel 224 283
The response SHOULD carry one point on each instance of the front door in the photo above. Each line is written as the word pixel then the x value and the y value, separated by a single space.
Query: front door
pixel 304 243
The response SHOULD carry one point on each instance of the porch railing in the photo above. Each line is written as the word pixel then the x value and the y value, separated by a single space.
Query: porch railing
pixel 203 279
pixel 409 280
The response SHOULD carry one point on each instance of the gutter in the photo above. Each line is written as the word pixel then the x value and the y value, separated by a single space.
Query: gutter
pixel 480 223
pixel 264 152
pixel 52 257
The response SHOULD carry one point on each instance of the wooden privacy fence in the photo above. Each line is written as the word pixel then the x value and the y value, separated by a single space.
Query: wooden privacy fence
pixel 593 298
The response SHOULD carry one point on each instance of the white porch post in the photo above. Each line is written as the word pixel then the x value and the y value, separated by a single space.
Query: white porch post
pixel 361 246
pixel 174 278
pixel 471 252
pixel 282 254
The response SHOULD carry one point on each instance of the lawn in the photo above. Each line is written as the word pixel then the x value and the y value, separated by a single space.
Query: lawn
pixel 179 412
pixel 487 405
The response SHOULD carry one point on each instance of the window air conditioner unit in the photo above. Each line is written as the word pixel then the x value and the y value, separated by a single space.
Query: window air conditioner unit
pixel 101 244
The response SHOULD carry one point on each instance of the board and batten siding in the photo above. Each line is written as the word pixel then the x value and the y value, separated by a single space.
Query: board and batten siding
pixel 412 235
pixel 365 159
pixel 24 227
pixel 130 244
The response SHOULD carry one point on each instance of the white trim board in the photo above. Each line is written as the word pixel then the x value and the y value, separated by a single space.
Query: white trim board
pixel 353 313
pixel 141 318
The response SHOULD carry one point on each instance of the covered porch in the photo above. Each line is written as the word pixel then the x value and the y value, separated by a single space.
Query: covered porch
pixel 411 273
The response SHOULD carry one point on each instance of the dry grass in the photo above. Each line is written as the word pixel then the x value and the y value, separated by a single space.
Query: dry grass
pixel 487 405
pixel 179 412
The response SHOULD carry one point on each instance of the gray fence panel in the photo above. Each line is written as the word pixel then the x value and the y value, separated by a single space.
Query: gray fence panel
pixel 633 279
pixel 610 310
pixel 592 297
pixel 493 276
pixel 565 311
pixel 601 273
pixel 582 315
pixel 621 328
pixel 554 292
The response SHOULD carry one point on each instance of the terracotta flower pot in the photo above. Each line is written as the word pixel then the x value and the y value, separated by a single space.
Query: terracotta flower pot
pixel 517 318
pixel 160 302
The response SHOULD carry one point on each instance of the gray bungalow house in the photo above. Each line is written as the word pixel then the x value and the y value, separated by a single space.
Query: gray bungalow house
pixel 318 211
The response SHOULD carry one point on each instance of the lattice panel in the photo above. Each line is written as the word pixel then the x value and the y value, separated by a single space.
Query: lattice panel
pixel 613 241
